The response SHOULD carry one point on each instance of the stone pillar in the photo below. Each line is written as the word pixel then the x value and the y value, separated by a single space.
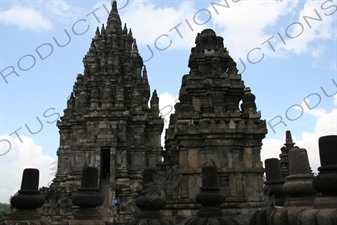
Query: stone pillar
pixel 298 187
pixel 88 198
pixel 274 180
pixel 150 203
pixel 325 206
pixel 210 198
pixel 27 201
pixel 288 145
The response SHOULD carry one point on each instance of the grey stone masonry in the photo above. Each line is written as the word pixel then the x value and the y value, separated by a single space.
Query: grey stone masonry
pixel 288 145
pixel 107 123
pixel 27 201
pixel 216 121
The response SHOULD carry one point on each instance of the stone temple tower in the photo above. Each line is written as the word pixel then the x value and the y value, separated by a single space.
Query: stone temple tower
pixel 107 123
pixel 215 123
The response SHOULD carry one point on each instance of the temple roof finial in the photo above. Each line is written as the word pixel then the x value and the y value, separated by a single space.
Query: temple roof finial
pixel 134 46
pixel 144 72
pixel 114 6
pixel 154 93
pixel 125 30
pixel 288 137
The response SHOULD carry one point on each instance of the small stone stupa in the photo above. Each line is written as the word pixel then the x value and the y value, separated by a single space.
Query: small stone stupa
pixel 27 201
pixel 210 199
pixel 88 198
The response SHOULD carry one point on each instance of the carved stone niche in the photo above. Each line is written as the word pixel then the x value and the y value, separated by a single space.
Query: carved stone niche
pixel 206 108
pixel 218 109
pixel 121 133
pixel 224 184
pixel 186 109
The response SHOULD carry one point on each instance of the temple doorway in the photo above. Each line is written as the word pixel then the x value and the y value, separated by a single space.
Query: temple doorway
pixel 105 163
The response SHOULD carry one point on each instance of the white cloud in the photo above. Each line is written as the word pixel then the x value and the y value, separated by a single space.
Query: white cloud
pixel 324 65
pixel 166 108
pixel 61 11
pixel 309 30
pixel 38 16
pixel 98 14
pixel 58 8
pixel 244 23
pixel 271 148
pixel 317 52
pixel 326 124
pixel 149 22
pixel 332 65
pixel 21 155
pixel 25 18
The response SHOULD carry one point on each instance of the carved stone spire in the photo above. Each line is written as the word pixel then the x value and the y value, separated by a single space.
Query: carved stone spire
pixel 248 105
pixel 108 123
pixel 114 21
pixel 208 125
pixel 114 6
pixel 28 200
pixel 288 145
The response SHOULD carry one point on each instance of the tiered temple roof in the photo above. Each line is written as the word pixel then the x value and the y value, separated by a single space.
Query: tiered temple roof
pixel 108 122
pixel 209 126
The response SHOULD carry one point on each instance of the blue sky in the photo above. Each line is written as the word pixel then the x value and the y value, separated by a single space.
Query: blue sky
pixel 285 50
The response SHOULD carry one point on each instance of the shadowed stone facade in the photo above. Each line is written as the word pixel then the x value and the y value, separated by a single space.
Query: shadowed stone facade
pixel 216 121
pixel 107 123
pixel 109 134
pixel 310 200
pixel 27 201
pixel 288 145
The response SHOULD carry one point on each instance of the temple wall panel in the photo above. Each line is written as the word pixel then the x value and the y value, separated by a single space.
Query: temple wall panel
pixel 194 184
pixel 193 158
pixel 183 159
pixel 248 157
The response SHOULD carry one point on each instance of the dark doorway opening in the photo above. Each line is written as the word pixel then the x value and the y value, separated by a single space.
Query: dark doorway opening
pixel 105 163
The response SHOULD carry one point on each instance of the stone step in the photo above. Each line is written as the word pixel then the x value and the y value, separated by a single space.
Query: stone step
pixel 104 208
